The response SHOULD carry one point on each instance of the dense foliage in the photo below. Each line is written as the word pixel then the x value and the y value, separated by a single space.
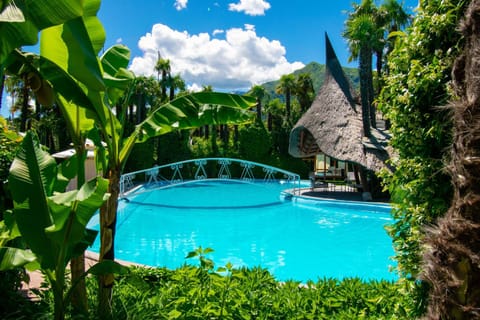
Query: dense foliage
pixel 418 83
pixel 8 144
pixel 224 293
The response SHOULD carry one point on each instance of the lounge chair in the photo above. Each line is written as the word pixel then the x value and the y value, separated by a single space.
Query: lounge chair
pixel 317 182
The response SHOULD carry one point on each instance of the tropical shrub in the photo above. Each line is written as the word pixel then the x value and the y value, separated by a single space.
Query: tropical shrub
pixel 207 292
pixel 8 144
pixel 255 143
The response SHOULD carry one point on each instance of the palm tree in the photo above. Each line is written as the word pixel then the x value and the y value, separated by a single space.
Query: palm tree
pixel 273 111
pixel 176 82
pixel 363 35
pixel 17 87
pixel 286 87
pixel 392 17
pixel 304 91
pixel 163 69
pixel 259 93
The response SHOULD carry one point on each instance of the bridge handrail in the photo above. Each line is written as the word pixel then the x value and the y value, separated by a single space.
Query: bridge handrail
pixel 152 174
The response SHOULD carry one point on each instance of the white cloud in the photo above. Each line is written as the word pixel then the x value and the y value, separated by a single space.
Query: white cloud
pixel 194 88
pixel 250 7
pixel 249 27
pixel 180 4
pixel 217 31
pixel 238 61
pixel 119 40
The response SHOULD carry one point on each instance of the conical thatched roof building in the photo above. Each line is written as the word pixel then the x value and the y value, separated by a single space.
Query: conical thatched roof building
pixel 333 124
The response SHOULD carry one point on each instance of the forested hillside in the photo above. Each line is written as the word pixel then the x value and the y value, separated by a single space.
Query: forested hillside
pixel 317 73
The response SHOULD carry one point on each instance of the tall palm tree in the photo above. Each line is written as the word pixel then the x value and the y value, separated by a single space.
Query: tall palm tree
pixel 176 82
pixel 259 93
pixel 363 35
pixel 273 111
pixel 163 74
pixel 17 87
pixel 304 91
pixel 286 86
pixel 392 17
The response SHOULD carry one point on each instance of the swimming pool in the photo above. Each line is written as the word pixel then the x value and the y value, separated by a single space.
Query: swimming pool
pixel 252 224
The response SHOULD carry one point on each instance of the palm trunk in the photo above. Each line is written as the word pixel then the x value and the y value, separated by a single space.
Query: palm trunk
pixel 379 65
pixel 259 110
pixel 235 136
pixel 25 110
pixel 365 62
pixel 371 97
pixel 2 85
pixel 164 85
pixel 269 122
pixel 452 262
pixel 172 91
pixel 287 103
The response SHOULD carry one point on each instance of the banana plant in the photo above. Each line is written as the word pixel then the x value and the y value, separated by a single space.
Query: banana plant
pixel 52 224
pixel 105 85
pixel 87 88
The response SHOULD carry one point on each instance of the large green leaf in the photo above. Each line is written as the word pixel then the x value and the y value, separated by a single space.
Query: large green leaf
pixel 11 257
pixel 116 76
pixel 31 179
pixel 72 210
pixel 70 46
pixel 14 257
pixel 106 267
pixel 192 111
pixel 70 94
pixel 38 14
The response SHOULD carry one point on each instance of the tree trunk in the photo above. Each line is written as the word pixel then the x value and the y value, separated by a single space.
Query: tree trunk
pixel 259 110
pixel 25 109
pixel 288 103
pixel 235 136
pixel 2 85
pixel 108 220
pixel 79 294
pixel 379 55
pixel 365 62
pixel 141 108
pixel 172 91
pixel 452 261
pixel 164 85
pixel 269 122
pixel 207 132
pixel 371 97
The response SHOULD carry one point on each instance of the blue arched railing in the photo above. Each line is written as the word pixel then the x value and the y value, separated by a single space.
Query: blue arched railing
pixel 208 168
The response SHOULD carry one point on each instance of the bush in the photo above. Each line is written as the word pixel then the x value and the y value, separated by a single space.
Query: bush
pixel 203 292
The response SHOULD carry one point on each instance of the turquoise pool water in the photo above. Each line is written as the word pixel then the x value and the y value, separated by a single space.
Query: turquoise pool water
pixel 254 225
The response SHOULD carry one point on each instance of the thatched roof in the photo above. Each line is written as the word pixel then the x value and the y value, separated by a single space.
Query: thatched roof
pixel 333 124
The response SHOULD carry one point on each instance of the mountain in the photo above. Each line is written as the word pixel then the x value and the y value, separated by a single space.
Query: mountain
pixel 317 72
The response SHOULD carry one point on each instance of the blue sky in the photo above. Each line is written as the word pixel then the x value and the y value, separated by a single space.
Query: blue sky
pixel 229 44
